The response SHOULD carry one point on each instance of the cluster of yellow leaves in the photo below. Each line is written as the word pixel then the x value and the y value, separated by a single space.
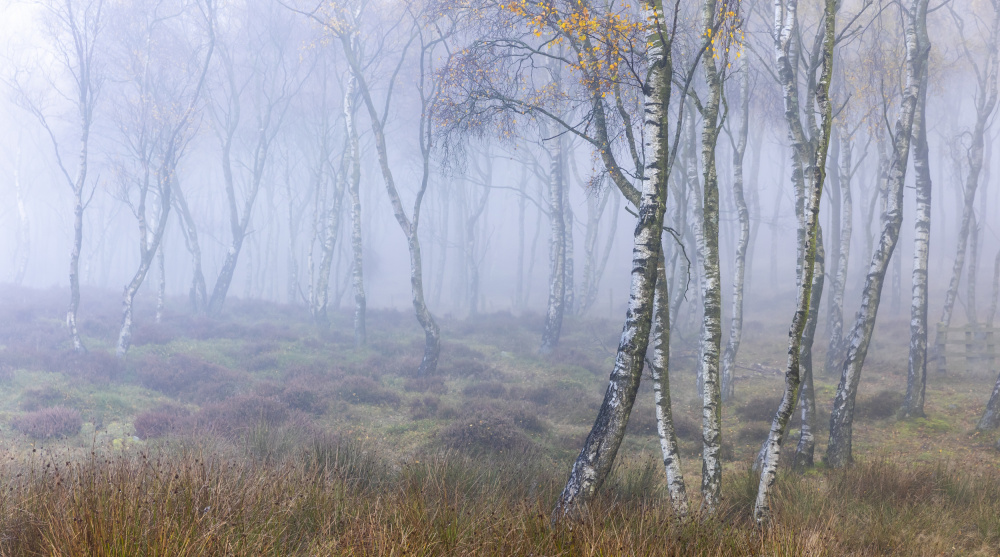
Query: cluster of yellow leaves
pixel 726 42
pixel 601 41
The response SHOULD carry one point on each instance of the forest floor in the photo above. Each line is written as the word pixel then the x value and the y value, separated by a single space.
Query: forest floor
pixel 259 433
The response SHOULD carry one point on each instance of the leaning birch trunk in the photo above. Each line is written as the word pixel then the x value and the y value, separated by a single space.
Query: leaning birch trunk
pixel 557 251
pixel 838 452
pixel 148 250
pixel 813 153
pixel 736 324
pixel 986 100
pixel 599 450
pixel 916 378
pixel 807 394
pixel 659 368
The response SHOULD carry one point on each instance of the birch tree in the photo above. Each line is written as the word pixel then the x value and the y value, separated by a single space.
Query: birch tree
pixel 838 453
pixel 809 160
pixel 75 33
pixel 986 101
pixel 158 113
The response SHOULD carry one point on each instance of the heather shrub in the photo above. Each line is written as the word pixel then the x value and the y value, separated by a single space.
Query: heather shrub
pixel 485 389
pixel 759 409
pixel 471 367
pixel 424 407
pixel 95 366
pixel 50 422
pixel 46 396
pixel 491 427
pixel 159 421
pixel 433 384
pixel 484 429
pixel 237 415
pixel 298 395
pixel 145 333
pixel 642 421
pixel 753 433
pixel 187 375
pixel 879 406
pixel 364 390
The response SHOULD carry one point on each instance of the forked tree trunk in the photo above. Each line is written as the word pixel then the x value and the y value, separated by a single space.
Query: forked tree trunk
pixel 598 455
pixel 409 227
pixel 838 452
pixel 812 153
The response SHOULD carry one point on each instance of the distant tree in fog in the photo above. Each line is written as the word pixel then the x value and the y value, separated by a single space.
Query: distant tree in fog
pixel 74 32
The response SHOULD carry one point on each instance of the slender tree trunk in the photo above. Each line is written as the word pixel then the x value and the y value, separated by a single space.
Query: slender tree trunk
pixel 600 448
pixel 806 448
pixel 835 350
pixel 812 153
pixel 557 250
pixel 916 379
pixel 522 203
pixel 736 324
pixel 354 188
pixel 711 332
pixel 986 99
pixel 198 293
pixel 838 453
pixel 970 281
pixel 161 286
pixel 23 236
pixel 569 289
pixel 659 368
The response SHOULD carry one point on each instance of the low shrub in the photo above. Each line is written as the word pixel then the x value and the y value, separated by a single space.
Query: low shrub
pixel 47 396
pixel 298 395
pixel 159 421
pixel 364 390
pixel 424 407
pixel 238 415
pixel 433 384
pixel 878 406
pixel 484 429
pixel 759 409
pixel 485 389
pixel 187 375
pixel 94 366
pixel 50 422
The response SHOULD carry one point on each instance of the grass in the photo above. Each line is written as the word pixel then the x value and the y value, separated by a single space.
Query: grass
pixel 258 434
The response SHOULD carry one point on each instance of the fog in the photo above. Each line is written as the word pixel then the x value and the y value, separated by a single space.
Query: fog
pixel 458 162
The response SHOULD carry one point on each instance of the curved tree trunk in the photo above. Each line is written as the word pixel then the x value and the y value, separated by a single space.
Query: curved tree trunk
pixel 597 457
pixel 838 452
